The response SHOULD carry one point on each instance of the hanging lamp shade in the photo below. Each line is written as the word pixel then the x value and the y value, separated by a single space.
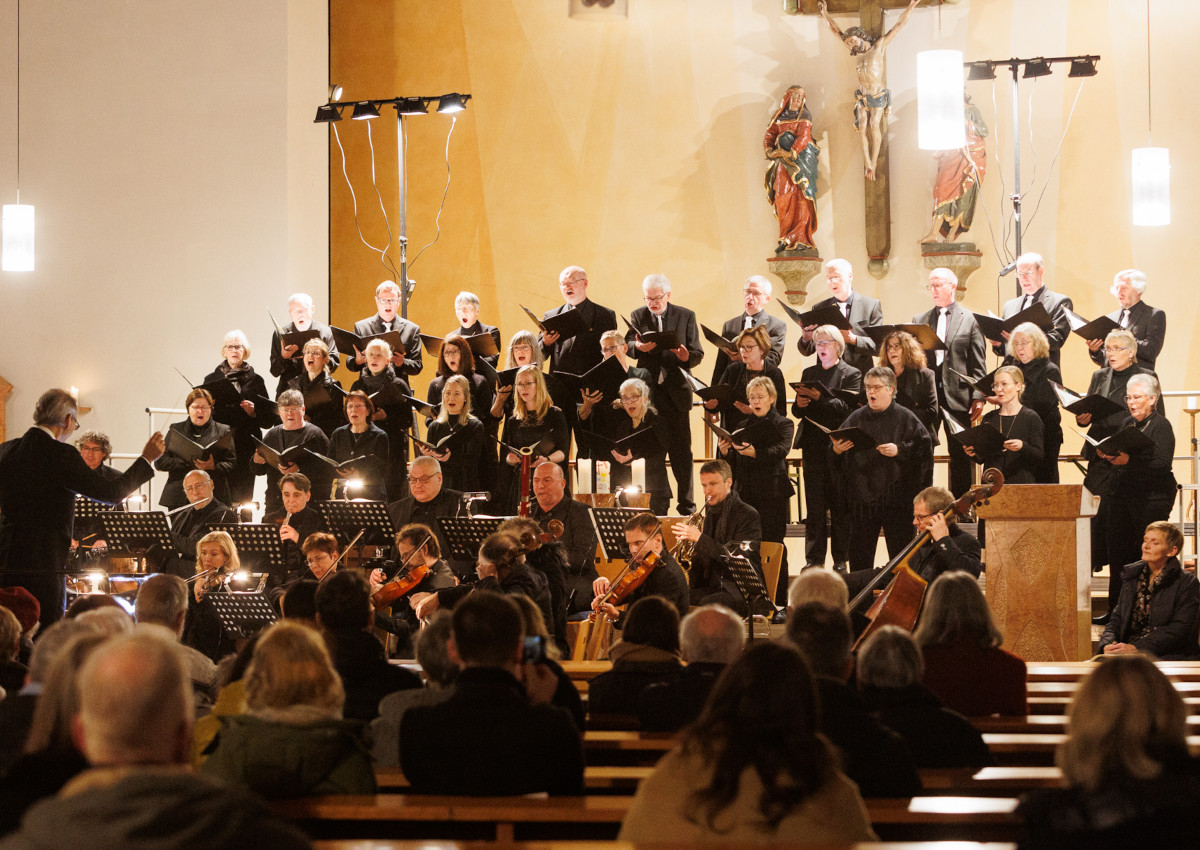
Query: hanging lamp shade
pixel 940 120
pixel 1151 187
pixel 17 224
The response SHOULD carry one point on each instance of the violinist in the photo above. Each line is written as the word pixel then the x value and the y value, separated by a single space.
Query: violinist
pixel 501 568
pixel 419 572
pixel 664 579
pixel 949 548
pixel 216 560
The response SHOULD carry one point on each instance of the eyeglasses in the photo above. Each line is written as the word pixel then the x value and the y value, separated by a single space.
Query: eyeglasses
pixel 233 345
pixel 877 387
pixel 922 517
pixel 526 383
pixel 424 479
pixel 654 299
pixel 319 560
pixel 631 398
pixel 609 349
pixel 199 408
pixel 747 346
pixel 87 447
pixel 826 343
pixel 1129 398
pixel 939 284
pixel 388 302
pixel 1112 349
pixel 758 397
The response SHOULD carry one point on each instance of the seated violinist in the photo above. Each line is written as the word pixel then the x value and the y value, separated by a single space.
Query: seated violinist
pixel 949 547
pixel 419 571
pixel 662 578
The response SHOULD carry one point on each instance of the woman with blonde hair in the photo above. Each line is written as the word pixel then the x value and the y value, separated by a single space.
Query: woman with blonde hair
pixel 456 358
pixel 462 455
pixel 638 415
pixel 292 741
pixel 1130 778
pixel 1020 454
pixel 239 413
pixel 383 384
pixel 964 664
pixel 536 422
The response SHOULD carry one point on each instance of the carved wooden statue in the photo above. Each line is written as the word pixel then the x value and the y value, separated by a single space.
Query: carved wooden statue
pixel 959 176
pixel 792 175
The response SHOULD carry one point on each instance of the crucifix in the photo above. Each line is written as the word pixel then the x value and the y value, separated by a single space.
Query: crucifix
pixel 867 43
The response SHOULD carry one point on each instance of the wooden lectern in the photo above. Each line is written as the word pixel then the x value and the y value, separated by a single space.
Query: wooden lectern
pixel 1039 569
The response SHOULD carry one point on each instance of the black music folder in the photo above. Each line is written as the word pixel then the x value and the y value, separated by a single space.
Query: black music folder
pixel 296 338
pixel 926 336
pixel 605 377
pixel 827 315
pixel 756 433
pixel 983 386
pixel 347 341
pixel 566 324
pixel 1129 439
pixel 641 443
pixel 663 339
pixel 192 451
pixel 985 439
pixel 994 328
pixel 723 393
pixel 1097 405
pixel 222 389
pixel 319 395
pixel 719 341
pixel 277 458
pixel 860 438
pixel 482 345
pixel 1095 329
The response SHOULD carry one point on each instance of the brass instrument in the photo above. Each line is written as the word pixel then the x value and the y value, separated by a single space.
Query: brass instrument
pixel 685 549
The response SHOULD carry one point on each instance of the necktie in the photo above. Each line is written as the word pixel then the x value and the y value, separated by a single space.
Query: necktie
pixel 1125 318
pixel 845 305
pixel 943 320
pixel 658 321
pixel 662 365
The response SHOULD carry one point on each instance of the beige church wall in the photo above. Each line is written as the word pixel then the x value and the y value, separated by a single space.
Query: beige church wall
pixel 180 192
pixel 635 146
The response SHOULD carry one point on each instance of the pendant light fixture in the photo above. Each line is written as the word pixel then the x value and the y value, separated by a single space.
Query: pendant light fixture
pixel 16 220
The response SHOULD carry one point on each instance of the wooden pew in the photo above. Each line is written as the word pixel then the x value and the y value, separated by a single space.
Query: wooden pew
pixel 596 778
pixel 506 819
pixel 383 844
pixel 1077 671
pixel 1056 723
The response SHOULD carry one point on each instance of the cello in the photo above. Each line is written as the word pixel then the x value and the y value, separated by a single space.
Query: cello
pixel 900 603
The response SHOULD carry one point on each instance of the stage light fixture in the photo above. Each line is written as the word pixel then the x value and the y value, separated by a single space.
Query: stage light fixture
pixel 1083 66
pixel 981 71
pixel 412 106
pixel 449 103
pixel 1036 68
pixel 365 110
pixel 335 92
pixel 328 113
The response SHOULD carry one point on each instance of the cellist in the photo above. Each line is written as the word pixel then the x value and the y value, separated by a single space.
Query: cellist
pixel 666 579
pixel 950 548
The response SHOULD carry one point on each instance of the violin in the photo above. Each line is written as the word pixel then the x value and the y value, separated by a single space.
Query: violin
pixel 597 630
pixel 405 580
pixel 900 603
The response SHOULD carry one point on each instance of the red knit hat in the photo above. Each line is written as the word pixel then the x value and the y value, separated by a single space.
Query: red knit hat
pixel 22 603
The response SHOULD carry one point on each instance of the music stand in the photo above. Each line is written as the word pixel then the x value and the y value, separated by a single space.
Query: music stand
pixel 258 546
pixel 346 519
pixel 464 535
pixel 137 533
pixel 86 508
pixel 610 530
pixel 240 615
pixel 749 582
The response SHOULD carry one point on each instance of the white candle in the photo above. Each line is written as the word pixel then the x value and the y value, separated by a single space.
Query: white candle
pixel 583 475
pixel 1191 403
pixel 602 477
pixel 639 472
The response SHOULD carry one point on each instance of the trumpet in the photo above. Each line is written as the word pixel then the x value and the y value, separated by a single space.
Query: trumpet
pixel 685 549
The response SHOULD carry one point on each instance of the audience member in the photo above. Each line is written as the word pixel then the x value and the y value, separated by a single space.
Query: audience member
pixel 889 679
pixel 133 725
pixel 753 768
pixel 28 610
pixel 440 674
pixel 90 602
pixel 12 671
pixel 162 604
pixel 817 584
pixel 566 695
pixel 873 755
pixel 344 613
pixel 497 721
pixel 1130 779
pixel 292 740
pixel 107 620
pixel 710 639
pixel 964 665
pixel 647 652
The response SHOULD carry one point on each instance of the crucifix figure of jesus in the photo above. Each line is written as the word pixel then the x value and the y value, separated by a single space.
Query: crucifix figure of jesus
pixel 872 99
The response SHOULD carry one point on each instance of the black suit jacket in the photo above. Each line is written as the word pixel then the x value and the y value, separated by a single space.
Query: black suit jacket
pixel 477 329
pixel 865 312
pixel 446 503
pixel 285 370
pixel 1054 304
pixel 734 521
pixel 410 336
pixel 776 330
pixel 578 537
pixel 582 351
pixel 674 385
pixel 966 352
pixel 1148 326
pixel 39 478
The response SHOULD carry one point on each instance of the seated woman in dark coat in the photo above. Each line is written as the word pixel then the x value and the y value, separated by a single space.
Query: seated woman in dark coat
pixel 1131 781
pixel 648 652
pixel 1159 601
pixel 889 679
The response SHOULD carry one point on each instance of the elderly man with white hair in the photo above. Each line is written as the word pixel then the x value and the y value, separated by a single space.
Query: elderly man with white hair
pixel 860 311
pixel 711 638
pixel 756 294
pixel 135 727
pixel 1147 324
pixel 287 361
pixel 1030 271
pixel 670 391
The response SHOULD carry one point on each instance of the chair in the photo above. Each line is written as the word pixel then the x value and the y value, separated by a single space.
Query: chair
pixel 771 555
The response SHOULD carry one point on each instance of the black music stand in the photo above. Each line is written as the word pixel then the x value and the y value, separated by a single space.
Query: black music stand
pixel 137 533
pixel 610 530
pixel 749 582
pixel 239 615
pixel 258 546
pixel 86 508
pixel 346 519
pixel 464 535
pixel 87 514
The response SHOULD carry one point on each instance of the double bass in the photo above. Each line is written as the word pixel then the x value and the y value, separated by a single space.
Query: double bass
pixel 900 603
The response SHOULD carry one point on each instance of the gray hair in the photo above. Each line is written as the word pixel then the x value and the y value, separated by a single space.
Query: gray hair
pixel 301 298
pixel 1134 277
pixel 97 437
pixel 1147 382
pixel 818 585
pixel 425 461
pixel 890 658
pixel 387 286
pixel 50 643
pixel 844 265
pixel 54 407
pixel 290 398
pixel 761 282
pixel 465 297
pixel 711 634
pixel 162 599
pixel 236 336
pixel 656 282
pixel 946 274
pixel 1032 257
